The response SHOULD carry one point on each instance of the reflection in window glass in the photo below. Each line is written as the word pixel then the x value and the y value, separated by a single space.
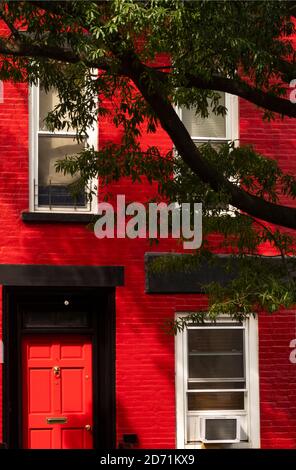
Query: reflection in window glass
pixel 216 401
pixel 47 102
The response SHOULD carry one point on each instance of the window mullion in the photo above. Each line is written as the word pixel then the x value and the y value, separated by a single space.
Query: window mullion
pixel 57 133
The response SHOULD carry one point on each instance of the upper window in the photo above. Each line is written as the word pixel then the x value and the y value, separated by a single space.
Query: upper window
pixel 214 128
pixel 51 190
pixel 214 370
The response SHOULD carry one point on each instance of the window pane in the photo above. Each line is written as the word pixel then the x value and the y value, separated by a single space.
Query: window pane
pixel 215 385
pixel 60 196
pixel 216 367
pixel 215 340
pixel 53 187
pixel 216 401
pixel 47 102
pixel 51 149
pixel 55 319
pixel 212 126
pixel 216 145
pixel 215 353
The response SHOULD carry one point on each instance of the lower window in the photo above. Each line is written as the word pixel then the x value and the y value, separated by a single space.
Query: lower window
pixel 217 384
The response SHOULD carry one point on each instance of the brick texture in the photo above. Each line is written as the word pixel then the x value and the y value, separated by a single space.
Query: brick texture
pixel 145 392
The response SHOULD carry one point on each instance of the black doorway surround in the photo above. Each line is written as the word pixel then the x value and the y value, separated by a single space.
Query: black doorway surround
pixel 68 275
pixel 34 303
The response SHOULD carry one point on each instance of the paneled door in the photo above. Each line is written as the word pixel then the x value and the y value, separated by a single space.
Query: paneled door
pixel 57 392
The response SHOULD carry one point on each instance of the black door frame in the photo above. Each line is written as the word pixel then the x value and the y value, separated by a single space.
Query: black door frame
pixel 102 330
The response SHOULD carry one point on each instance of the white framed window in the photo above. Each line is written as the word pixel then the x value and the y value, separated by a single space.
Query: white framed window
pixel 217 384
pixel 214 128
pixel 51 191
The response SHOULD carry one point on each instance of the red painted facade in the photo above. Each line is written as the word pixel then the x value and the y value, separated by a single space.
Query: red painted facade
pixel 145 368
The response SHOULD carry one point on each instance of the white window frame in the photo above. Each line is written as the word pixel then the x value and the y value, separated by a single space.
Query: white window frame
pixel 34 132
pixel 252 402
pixel 231 123
pixel 231 133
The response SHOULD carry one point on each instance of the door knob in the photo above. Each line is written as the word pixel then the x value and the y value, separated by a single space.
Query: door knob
pixel 56 371
pixel 88 427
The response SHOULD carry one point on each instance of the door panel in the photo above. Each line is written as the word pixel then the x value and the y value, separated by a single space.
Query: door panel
pixel 57 392
pixel 41 438
pixel 75 437
pixel 72 402
pixel 40 388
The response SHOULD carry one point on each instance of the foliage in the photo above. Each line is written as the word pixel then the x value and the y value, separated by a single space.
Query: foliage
pixel 98 51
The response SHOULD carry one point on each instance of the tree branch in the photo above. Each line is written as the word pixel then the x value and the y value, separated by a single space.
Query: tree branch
pixel 239 88
pixel 253 205
pixel 243 90
pixel 132 67
pixel 21 49
pixel 287 69
pixel 235 87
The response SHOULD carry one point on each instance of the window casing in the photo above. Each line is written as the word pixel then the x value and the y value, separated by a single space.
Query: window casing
pixel 213 129
pixel 51 191
pixel 217 377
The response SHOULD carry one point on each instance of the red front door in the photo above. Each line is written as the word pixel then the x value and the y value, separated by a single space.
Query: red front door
pixel 57 392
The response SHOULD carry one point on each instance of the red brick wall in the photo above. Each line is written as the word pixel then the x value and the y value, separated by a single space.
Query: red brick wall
pixel 276 139
pixel 277 380
pixel 145 355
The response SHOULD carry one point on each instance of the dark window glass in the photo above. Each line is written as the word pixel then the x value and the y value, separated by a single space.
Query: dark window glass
pixel 56 319
pixel 215 353
pixel 215 385
pixel 216 401
pixel 216 367
pixel 215 340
